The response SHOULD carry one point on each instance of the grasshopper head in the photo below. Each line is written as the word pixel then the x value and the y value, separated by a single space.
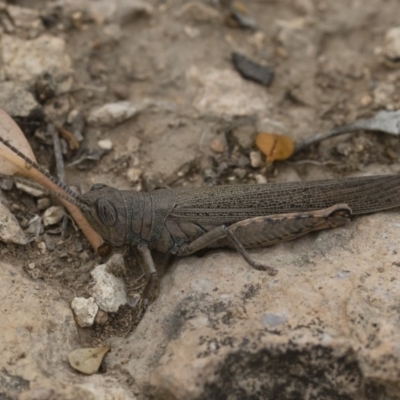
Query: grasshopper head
pixel 104 208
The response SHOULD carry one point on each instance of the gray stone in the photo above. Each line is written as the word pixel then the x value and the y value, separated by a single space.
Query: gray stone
pixel 18 101
pixel 10 230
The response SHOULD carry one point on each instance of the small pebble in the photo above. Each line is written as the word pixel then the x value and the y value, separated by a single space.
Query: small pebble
pixel 101 318
pixel 217 146
pixel 53 215
pixel 105 144
pixel 260 179
pixel 391 47
pixel 256 159
pixel 43 203
pixel 133 174
pixel 85 311
pixel 31 266
pixel 111 114
pixel 366 100
pixel 42 248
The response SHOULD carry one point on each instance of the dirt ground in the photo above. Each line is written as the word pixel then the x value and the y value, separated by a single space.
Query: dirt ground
pixel 329 69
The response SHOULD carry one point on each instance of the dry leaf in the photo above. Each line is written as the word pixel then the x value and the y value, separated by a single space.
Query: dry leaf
pixel 274 146
pixel 87 360
pixel 10 131
pixel 11 163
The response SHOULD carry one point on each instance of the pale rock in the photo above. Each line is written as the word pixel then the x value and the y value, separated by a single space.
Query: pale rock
pixel 256 159
pixel 220 328
pixel 101 317
pixel 42 248
pixel 43 203
pixel 108 290
pixel 133 174
pixel 26 60
pixel 37 331
pixel 10 230
pixel 129 10
pixel 111 114
pixel 53 215
pixel 18 101
pixel 223 92
pixel 26 19
pixel 383 93
pixel 105 144
pixel 85 311
pixel 391 47
pixel 260 179
pixel 29 189
pixel 121 11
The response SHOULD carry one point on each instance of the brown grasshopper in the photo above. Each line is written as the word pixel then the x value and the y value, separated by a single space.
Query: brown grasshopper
pixel 184 220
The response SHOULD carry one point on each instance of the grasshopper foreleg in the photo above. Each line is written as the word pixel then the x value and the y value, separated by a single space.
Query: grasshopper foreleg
pixel 268 230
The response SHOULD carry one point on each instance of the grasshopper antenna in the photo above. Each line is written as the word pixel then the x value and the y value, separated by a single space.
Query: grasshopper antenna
pixel 36 186
pixel 73 197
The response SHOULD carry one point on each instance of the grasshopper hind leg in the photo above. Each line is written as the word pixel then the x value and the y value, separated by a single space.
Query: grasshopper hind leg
pixel 269 230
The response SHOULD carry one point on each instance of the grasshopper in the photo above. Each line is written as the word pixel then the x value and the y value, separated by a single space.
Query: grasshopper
pixel 183 221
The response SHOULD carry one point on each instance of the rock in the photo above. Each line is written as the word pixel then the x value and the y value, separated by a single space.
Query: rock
pixel 383 94
pixel 43 203
pixel 101 318
pixel 85 311
pixel 108 290
pixel 391 47
pixel 30 190
pixel 105 144
pixel 220 328
pixel 222 92
pixel 18 101
pixel 53 215
pixel 252 70
pixel 37 331
pixel 10 230
pixel 256 159
pixel 217 146
pixel 129 10
pixel 26 60
pixel 111 114
pixel 260 179
pixel 26 19
pixel 134 174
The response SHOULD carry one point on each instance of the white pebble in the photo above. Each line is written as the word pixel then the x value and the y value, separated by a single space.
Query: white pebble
pixel 111 114
pixel 85 311
pixel 260 179
pixel 133 174
pixel 108 291
pixel 53 215
pixel 105 144
pixel 255 159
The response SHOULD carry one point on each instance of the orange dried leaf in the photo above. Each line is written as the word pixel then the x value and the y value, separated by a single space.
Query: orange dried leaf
pixel 275 147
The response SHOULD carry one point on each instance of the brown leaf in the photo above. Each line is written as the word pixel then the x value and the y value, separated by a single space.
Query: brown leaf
pixel 274 146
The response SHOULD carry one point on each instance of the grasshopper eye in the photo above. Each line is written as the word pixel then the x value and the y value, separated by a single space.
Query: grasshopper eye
pixel 106 212
pixel 98 186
